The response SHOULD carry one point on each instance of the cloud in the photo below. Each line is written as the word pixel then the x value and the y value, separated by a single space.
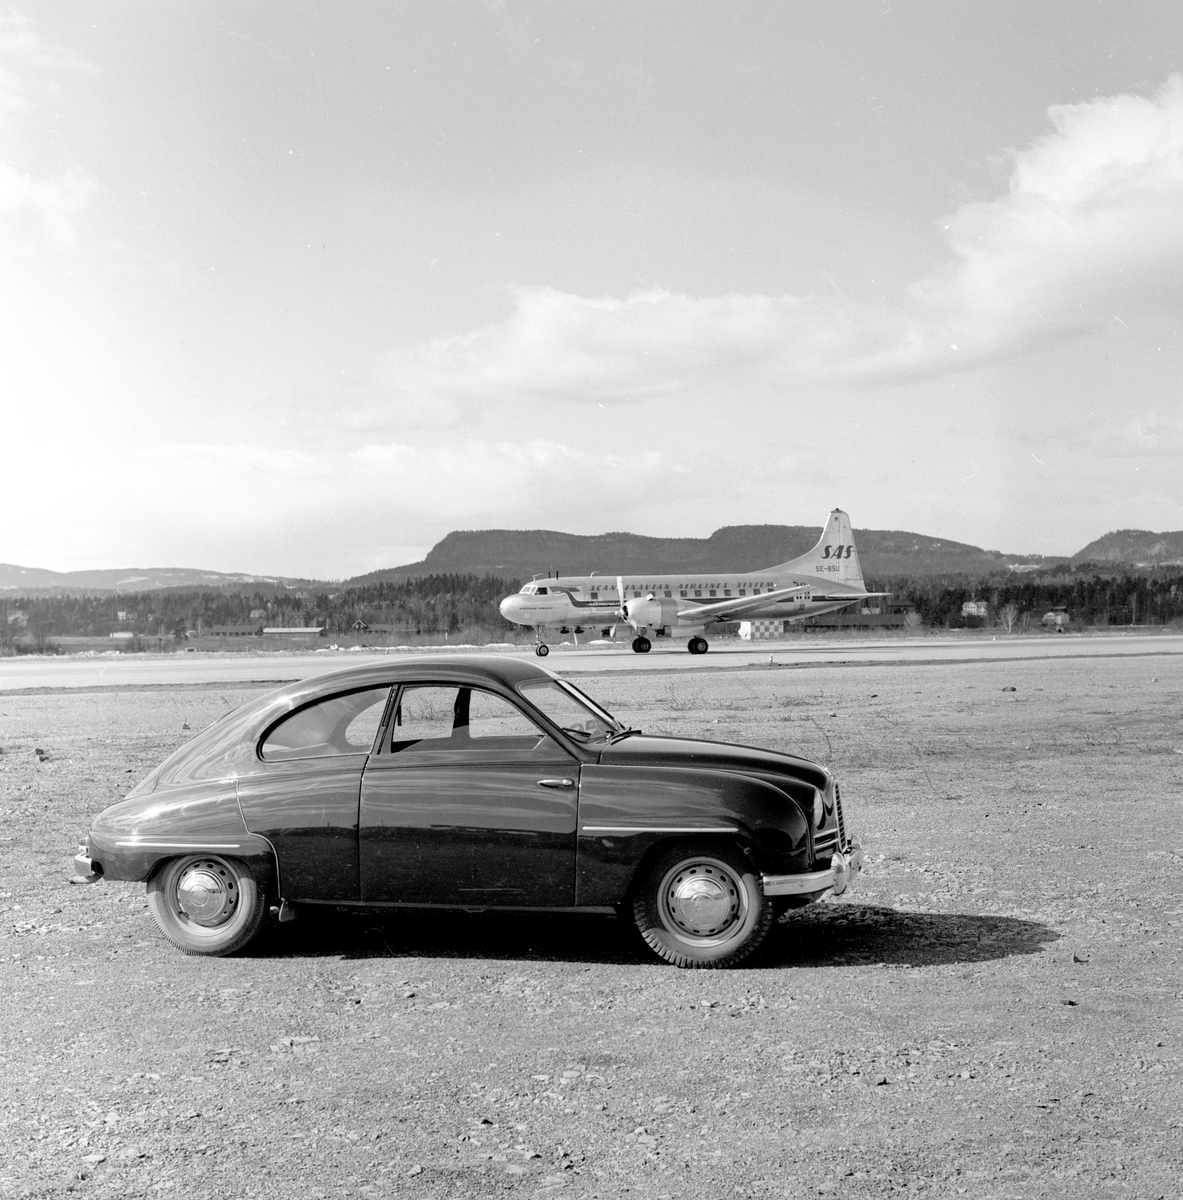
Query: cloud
pixel 508 480
pixel 26 63
pixel 1091 227
pixel 52 204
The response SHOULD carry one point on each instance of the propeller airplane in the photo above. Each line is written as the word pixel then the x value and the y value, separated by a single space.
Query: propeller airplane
pixel 827 578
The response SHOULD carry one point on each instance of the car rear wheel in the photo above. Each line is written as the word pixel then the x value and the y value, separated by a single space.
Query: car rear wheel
pixel 702 907
pixel 206 904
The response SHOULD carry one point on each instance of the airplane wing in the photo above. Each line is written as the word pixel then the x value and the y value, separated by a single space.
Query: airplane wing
pixel 741 604
pixel 738 604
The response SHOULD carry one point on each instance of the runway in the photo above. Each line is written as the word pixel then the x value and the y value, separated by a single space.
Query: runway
pixel 67 673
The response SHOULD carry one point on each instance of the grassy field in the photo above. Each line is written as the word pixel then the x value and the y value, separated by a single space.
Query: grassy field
pixel 994 1011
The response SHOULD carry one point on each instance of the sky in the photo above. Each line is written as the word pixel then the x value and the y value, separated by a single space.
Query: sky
pixel 297 288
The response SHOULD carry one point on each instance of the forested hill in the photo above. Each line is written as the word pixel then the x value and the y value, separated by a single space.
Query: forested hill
pixel 1134 547
pixel 128 579
pixel 520 554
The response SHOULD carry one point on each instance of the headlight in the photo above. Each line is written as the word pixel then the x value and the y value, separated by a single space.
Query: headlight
pixel 819 808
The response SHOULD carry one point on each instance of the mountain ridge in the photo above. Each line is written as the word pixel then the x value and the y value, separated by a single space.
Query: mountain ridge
pixel 129 579
pixel 521 553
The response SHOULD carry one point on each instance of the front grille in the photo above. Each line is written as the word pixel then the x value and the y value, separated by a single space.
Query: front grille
pixel 841 820
pixel 824 844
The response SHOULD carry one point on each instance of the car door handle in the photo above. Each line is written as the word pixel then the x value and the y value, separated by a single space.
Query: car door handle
pixel 556 783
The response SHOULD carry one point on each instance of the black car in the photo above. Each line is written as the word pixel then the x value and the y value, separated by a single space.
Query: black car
pixel 472 783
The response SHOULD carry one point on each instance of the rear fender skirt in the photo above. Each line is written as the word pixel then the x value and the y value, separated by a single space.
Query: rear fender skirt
pixel 624 811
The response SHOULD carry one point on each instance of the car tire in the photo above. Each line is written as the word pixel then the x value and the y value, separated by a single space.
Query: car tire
pixel 702 906
pixel 206 904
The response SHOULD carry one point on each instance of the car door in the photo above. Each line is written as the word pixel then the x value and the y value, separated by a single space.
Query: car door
pixel 303 796
pixel 467 802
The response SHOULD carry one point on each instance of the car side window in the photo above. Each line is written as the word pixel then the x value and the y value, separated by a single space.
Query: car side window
pixel 433 718
pixel 424 717
pixel 497 724
pixel 345 724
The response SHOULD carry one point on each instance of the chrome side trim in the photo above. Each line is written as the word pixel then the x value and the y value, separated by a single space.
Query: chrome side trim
pixel 137 845
pixel 599 829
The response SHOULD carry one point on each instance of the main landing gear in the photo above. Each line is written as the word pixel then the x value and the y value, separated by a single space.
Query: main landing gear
pixel 542 649
pixel 642 645
pixel 697 645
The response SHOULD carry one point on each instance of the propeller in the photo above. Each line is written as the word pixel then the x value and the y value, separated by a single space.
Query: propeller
pixel 620 593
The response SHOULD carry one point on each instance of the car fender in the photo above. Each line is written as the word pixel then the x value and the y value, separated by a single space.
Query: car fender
pixel 131 839
pixel 625 811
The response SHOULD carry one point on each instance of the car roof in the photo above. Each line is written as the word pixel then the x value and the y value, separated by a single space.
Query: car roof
pixel 248 722
pixel 503 669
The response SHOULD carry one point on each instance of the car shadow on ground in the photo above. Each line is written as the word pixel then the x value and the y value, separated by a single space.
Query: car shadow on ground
pixel 824 935
pixel 827 935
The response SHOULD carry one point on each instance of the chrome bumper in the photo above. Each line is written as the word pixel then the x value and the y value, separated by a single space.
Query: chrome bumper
pixel 84 869
pixel 841 873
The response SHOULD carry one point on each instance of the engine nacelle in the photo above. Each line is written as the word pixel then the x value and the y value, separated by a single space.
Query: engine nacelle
pixel 648 612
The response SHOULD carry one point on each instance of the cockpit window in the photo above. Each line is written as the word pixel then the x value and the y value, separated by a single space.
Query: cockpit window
pixel 540 591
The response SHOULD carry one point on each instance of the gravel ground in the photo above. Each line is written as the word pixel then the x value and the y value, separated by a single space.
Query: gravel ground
pixel 994 1011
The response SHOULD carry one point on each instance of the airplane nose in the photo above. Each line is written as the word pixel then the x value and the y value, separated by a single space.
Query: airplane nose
pixel 509 609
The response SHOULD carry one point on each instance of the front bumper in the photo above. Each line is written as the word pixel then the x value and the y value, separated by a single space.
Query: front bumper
pixel 85 869
pixel 841 873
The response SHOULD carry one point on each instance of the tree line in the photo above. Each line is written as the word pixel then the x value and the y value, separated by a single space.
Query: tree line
pixel 428 605
pixel 449 603
pixel 1127 599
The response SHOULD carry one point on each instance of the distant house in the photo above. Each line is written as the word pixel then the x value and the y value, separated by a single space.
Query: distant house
pixel 123 636
pixel 366 627
pixel 975 608
pixel 1058 619
pixel 236 630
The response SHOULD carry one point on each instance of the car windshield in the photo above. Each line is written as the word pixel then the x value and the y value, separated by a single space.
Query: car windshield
pixel 574 713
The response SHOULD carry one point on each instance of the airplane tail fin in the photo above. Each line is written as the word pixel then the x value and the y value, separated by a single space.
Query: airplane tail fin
pixel 834 559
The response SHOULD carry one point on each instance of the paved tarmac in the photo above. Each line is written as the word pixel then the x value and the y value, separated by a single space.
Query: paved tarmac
pixel 104 671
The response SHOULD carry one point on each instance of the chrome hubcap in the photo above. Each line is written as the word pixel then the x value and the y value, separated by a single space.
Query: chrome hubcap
pixel 207 893
pixel 702 899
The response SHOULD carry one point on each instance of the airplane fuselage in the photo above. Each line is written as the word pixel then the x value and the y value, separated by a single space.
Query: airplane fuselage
pixel 824 579
pixel 592 601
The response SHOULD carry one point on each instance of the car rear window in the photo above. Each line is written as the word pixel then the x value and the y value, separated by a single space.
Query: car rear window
pixel 342 724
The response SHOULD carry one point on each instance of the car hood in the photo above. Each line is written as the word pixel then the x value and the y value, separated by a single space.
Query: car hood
pixel 640 750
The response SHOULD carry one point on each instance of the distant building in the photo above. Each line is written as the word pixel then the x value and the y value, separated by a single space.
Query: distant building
pixel 893 616
pixel 366 627
pixel 1058 619
pixel 258 614
pixel 236 630
pixel 123 636
pixel 975 608
pixel 300 631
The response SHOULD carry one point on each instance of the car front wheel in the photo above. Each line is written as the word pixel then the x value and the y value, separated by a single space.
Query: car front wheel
pixel 206 904
pixel 702 907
